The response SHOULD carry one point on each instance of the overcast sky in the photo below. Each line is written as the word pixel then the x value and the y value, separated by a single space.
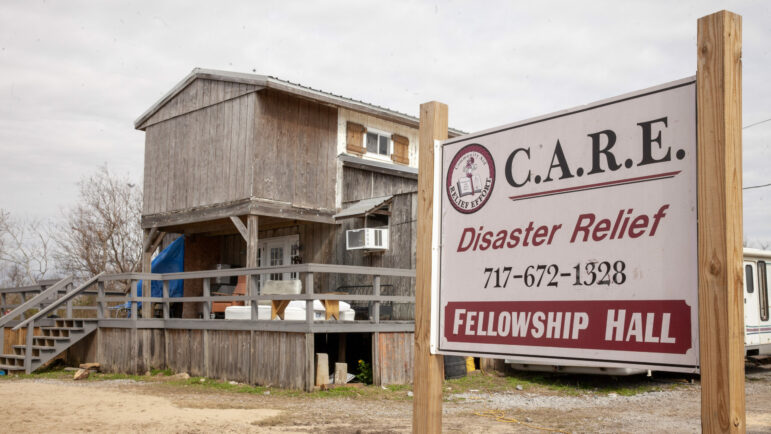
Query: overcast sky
pixel 75 75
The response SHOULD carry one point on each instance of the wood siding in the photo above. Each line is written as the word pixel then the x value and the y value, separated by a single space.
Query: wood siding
pixel 263 358
pixel 202 157
pixel 396 355
pixel 197 95
pixel 361 184
pixel 236 144
pixel 295 151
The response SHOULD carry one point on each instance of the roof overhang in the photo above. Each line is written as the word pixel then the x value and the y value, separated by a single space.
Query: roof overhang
pixel 365 207
pixel 268 82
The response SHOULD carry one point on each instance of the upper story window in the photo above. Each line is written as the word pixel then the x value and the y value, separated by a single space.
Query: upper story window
pixel 378 143
pixel 363 141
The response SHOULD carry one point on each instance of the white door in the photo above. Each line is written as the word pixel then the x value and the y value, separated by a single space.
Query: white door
pixel 751 313
pixel 274 252
pixel 764 304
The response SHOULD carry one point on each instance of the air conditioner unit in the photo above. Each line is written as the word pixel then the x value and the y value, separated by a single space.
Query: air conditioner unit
pixel 367 239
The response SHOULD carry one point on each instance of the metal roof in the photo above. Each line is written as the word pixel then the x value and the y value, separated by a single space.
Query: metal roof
pixel 266 81
pixel 362 207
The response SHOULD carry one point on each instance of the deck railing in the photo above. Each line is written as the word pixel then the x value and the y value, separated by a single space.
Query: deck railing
pixel 131 300
pixel 105 301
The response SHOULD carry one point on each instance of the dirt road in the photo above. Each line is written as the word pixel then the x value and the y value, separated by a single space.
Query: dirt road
pixel 61 405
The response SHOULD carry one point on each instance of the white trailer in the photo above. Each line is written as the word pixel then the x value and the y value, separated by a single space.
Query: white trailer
pixel 757 324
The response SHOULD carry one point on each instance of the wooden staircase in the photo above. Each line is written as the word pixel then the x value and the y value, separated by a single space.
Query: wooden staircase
pixel 50 343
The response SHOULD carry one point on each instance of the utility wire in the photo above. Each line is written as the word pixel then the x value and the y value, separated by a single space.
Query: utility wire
pixel 756 186
pixel 744 128
pixel 756 123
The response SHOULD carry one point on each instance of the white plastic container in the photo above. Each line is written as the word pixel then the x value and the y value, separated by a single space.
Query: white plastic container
pixel 295 311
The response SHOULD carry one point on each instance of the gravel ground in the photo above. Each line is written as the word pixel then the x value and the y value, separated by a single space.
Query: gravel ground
pixel 131 406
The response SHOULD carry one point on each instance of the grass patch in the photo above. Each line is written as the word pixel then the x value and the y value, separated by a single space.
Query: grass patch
pixel 549 383
pixel 567 384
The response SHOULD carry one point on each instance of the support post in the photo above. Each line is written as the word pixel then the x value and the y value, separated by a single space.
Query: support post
pixel 721 309
pixel 133 298
pixel 68 305
pixel 309 303
pixel 207 303
pixel 100 303
pixel 147 258
pixel 2 341
pixel 24 300
pixel 165 294
pixel 429 369
pixel 3 304
pixel 252 244
pixel 376 303
pixel 28 348
pixel 310 372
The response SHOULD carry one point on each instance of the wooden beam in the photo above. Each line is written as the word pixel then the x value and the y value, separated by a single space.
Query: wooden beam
pixel 252 244
pixel 147 258
pixel 240 226
pixel 721 309
pixel 429 369
pixel 149 238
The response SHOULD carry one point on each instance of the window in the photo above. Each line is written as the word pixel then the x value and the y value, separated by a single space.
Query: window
pixel 763 291
pixel 748 278
pixel 276 259
pixel 377 143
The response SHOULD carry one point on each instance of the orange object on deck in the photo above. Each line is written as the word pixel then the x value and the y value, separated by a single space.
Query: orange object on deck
pixel 219 306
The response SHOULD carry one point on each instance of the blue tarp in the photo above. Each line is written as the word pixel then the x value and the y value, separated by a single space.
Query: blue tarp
pixel 170 260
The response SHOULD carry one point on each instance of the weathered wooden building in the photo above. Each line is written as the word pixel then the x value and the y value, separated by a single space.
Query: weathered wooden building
pixel 296 166
pixel 257 172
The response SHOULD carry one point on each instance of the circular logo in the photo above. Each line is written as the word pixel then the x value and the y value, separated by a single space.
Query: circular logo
pixel 471 178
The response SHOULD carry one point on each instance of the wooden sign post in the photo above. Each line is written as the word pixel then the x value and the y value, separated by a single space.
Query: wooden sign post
pixel 721 308
pixel 719 216
pixel 429 369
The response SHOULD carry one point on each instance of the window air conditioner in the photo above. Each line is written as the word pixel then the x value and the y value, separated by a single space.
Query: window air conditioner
pixel 367 238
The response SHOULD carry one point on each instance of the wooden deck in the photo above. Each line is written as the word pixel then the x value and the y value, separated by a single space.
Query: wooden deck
pixel 256 351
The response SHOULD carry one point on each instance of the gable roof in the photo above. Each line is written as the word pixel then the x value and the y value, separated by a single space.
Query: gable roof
pixel 260 82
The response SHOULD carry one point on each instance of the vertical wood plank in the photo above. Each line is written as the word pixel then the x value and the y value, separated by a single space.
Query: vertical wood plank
pixel 147 285
pixel 429 369
pixel 252 244
pixel 721 309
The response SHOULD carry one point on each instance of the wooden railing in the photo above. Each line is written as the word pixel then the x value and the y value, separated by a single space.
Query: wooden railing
pixel 252 299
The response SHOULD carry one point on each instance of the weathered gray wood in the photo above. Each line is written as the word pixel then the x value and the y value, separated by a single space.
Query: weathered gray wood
pixel 341 373
pixel 207 295
pixel 376 377
pixel 309 302
pixel 241 228
pixel 166 307
pixel 28 349
pixel 36 301
pixel 376 303
pixel 322 369
pixel 134 296
pixel 101 308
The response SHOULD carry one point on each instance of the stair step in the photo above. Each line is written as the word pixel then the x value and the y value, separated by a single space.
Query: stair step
pixel 16 356
pixel 35 347
pixel 69 329
pixel 51 338
pixel 8 368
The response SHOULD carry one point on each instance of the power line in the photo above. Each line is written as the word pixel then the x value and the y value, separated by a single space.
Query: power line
pixel 756 123
pixel 756 186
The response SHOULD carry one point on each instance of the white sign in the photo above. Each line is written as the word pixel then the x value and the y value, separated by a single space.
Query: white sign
pixel 571 238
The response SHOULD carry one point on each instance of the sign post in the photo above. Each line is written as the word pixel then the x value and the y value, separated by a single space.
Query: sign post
pixel 609 234
pixel 429 368
pixel 720 222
